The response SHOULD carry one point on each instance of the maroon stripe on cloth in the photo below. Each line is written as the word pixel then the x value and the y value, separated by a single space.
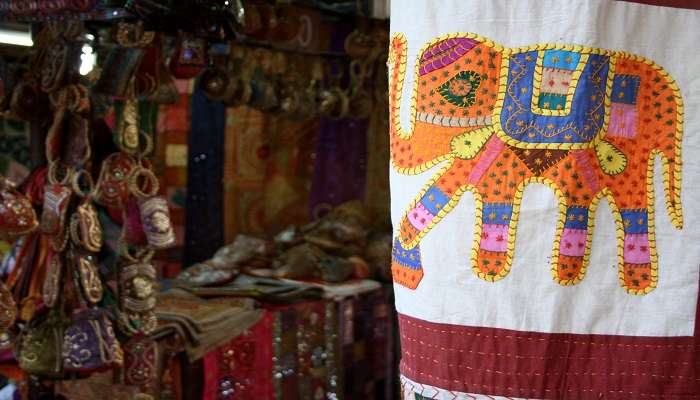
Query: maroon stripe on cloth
pixel 549 366
pixel 691 4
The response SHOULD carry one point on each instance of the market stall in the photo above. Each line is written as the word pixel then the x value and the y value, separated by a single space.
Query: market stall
pixel 194 201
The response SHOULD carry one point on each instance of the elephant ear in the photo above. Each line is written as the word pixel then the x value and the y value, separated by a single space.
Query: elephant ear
pixel 468 144
pixel 612 160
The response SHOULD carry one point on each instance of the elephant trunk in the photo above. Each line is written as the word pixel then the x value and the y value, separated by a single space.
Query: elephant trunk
pixel 397 75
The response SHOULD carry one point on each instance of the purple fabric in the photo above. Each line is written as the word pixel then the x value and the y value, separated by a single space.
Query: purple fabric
pixel 340 164
pixel 89 343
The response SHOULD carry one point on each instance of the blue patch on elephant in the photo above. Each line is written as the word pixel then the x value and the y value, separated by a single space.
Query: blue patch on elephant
pixel 625 89
pixel 408 258
pixel 434 200
pixel 576 217
pixel 587 114
pixel 497 213
pixel 635 221
pixel 562 59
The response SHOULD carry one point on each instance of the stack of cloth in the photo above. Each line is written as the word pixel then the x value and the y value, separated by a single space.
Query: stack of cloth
pixel 203 324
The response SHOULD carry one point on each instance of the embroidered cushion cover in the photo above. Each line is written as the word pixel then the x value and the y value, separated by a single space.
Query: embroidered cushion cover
pixel 545 217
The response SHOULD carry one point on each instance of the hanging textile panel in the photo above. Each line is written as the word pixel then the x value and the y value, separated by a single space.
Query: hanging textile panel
pixel 171 152
pixel 267 171
pixel 543 198
pixel 245 160
pixel 204 232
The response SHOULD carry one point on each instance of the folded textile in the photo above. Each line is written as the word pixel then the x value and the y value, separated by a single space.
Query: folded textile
pixel 203 324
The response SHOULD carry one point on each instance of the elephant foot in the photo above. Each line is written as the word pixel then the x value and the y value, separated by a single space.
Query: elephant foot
pixel 638 278
pixel 406 265
pixel 569 270
pixel 491 265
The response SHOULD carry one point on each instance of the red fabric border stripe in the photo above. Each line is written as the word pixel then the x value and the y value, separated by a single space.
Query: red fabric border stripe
pixel 691 4
pixel 553 366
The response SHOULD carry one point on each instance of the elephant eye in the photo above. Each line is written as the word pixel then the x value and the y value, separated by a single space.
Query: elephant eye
pixel 460 90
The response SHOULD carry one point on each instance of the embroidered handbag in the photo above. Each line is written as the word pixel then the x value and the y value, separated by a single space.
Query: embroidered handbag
pixel 137 300
pixel 134 234
pixel 189 57
pixel 28 103
pixel 17 216
pixel 39 351
pixel 112 186
pixel 85 228
pixel 140 360
pixel 89 343
pixel 8 308
pixel 53 218
pixel 81 5
pixel 85 264
pixel 156 223
pixel 52 282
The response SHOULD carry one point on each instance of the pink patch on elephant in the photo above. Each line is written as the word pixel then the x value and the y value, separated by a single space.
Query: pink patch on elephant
pixel 587 169
pixel 492 149
pixel 420 217
pixel 494 237
pixel 623 120
pixel 573 242
pixel 637 248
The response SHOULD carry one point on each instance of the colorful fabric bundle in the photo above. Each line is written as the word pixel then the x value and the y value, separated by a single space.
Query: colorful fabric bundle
pixel 336 348
pixel 542 194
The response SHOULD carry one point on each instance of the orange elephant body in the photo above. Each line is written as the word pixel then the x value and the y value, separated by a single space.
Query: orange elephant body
pixel 586 122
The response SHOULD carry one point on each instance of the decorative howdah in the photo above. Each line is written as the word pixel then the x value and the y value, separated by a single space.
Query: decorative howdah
pixel 586 122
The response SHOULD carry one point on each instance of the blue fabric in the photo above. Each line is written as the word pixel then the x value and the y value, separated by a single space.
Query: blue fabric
pixel 587 108
pixel 434 200
pixel 576 218
pixel 625 89
pixel 204 232
pixel 409 258
pixel 635 221
pixel 561 59
pixel 497 213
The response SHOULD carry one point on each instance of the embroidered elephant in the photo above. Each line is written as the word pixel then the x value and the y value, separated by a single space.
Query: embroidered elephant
pixel 586 122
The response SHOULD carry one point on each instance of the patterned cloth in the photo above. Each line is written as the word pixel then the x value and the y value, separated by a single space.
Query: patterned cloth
pixel 313 350
pixel 542 198
pixel 267 170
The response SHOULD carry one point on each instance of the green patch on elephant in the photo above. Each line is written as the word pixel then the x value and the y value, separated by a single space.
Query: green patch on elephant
pixel 468 144
pixel 460 90
pixel 419 397
pixel 612 160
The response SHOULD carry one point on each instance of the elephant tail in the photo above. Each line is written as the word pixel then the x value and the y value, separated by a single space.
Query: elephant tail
pixel 669 146
pixel 672 188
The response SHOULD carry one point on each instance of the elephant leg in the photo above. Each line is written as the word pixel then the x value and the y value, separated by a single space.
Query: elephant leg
pixel 433 203
pixel 499 178
pixel 437 198
pixel 573 245
pixel 577 190
pixel 493 248
pixel 638 267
